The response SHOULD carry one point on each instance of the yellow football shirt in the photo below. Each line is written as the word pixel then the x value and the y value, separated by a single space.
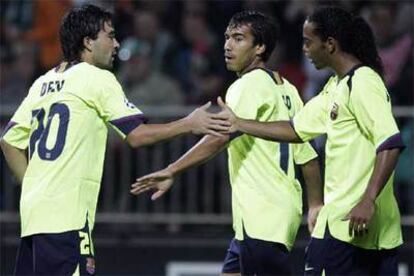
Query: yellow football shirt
pixel 355 113
pixel 266 197
pixel 63 123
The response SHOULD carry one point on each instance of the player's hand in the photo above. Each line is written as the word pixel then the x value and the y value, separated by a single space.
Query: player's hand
pixel 160 181
pixel 360 216
pixel 203 122
pixel 313 213
pixel 232 118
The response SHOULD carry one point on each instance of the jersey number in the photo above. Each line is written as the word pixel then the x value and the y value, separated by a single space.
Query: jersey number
pixel 85 244
pixel 287 101
pixel 41 133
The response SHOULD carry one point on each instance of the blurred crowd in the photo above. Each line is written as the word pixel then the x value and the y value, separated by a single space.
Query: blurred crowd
pixel 172 51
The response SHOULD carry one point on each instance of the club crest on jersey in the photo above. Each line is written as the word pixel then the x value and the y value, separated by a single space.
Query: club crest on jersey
pixel 334 111
pixel 90 265
pixel 129 104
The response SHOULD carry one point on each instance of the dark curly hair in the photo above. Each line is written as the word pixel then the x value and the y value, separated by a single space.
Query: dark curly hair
pixel 352 33
pixel 78 23
pixel 264 29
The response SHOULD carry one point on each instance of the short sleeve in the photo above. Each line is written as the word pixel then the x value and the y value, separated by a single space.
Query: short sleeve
pixel 371 106
pixel 113 106
pixel 311 120
pixel 17 131
pixel 303 152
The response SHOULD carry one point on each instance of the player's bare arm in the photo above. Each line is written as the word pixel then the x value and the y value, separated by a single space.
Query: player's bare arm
pixel 200 121
pixel 360 216
pixel 279 131
pixel 313 180
pixel 162 180
pixel 16 159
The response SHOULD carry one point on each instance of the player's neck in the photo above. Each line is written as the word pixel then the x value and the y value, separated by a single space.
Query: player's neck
pixel 255 64
pixel 86 57
pixel 343 64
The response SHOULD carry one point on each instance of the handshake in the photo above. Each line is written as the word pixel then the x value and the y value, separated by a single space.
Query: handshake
pixel 200 121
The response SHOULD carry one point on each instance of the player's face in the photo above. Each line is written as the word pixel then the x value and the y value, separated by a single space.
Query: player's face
pixel 313 47
pixel 105 47
pixel 239 52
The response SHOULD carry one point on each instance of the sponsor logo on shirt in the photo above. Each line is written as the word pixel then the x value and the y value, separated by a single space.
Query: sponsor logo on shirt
pixel 334 111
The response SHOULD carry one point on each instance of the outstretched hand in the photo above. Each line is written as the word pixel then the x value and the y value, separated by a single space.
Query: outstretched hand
pixel 204 122
pixel 161 181
pixel 227 112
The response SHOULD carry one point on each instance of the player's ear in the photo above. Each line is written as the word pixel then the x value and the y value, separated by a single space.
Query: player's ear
pixel 260 49
pixel 87 43
pixel 331 44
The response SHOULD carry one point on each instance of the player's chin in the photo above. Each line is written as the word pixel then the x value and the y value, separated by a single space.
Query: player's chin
pixel 109 65
pixel 231 67
pixel 318 66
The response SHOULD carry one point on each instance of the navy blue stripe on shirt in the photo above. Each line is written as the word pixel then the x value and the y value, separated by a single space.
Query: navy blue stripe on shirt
pixel 127 124
pixel 284 157
pixel 394 141
pixel 351 74
pixel 9 126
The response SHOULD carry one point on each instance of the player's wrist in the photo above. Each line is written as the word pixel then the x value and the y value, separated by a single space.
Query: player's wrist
pixel 370 195
pixel 369 199
pixel 236 124
pixel 186 124
pixel 172 169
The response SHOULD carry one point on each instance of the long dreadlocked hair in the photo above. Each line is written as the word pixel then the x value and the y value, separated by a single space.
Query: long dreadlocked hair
pixel 352 33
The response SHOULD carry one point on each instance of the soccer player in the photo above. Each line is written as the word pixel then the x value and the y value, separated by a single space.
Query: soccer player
pixel 266 197
pixel 63 124
pixel 358 230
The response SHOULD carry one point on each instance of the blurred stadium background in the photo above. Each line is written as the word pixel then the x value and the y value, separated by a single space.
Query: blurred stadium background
pixel 170 61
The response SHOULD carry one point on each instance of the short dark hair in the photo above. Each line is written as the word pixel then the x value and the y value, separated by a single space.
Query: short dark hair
pixel 78 23
pixel 352 33
pixel 264 29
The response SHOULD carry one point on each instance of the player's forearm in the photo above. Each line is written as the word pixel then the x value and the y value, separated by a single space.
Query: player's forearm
pixel 313 180
pixel 153 133
pixel 205 149
pixel 384 166
pixel 280 131
pixel 16 159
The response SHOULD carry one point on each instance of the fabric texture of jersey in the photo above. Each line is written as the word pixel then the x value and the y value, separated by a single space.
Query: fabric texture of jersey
pixel 355 113
pixel 266 197
pixel 63 122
